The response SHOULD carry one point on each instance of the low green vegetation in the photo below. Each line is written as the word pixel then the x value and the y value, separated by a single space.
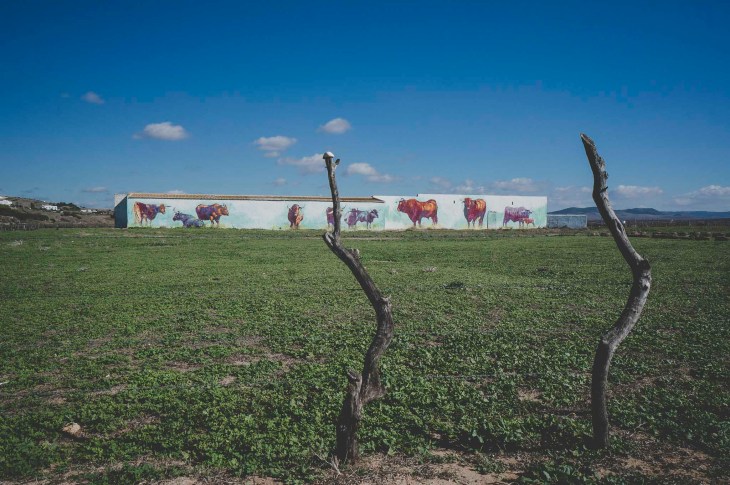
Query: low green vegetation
pixel 221 352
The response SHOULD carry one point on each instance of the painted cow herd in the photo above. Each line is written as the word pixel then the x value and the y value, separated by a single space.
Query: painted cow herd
pixel 416 210
pixel 212 213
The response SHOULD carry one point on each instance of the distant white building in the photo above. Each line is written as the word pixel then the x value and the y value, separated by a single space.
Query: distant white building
pixel 49 207
pixel 4 201
pixel 88 211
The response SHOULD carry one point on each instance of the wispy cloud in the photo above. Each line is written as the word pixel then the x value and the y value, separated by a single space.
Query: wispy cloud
pixel 92 97
pixel 521 185
pixel 369 172
pixel 636 191
pixel 710 197
pixel 468 186
pixel 278 182
pixel 336 126
pixel 274 145
pixel 96 190
pixel 570 196
pixel 162 131
pixel 441 183
pixel 307 165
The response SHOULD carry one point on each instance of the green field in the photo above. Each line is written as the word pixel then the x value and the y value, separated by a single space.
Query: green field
pixel 223 354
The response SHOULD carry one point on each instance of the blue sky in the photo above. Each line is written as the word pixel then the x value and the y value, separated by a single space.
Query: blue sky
pixel 449 97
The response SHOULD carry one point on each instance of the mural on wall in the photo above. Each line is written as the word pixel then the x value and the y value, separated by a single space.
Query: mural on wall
pixel 520 215
pixel 445 211
pixel 212 212
pixel 465 211
pixel 474 209
pixel 356 216
pixel 147 212
pixel 417 210
pixel 188 220
pixel 295 216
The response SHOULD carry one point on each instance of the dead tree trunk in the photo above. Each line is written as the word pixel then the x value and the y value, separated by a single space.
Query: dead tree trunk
pixel 365 387
pixel 641 272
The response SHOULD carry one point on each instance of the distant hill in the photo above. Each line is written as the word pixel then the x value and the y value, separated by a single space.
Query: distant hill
pixel 646 214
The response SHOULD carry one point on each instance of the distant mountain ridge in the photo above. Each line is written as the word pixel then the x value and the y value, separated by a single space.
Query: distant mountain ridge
pixel 646 213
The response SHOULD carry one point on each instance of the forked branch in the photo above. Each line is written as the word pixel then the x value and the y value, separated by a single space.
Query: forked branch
pixel 365 387
pixel 641 272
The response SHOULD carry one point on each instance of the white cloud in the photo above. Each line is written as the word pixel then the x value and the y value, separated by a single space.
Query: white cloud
pixel 520 184
pixel 636 191
pixel 360 169
pixel 714 191
pixel 336 126
pixel 279 181
pixel 175 192
pixel 274 145
pixel 93 98
pixel 369 172
pixel 469 187
pixel 95 190
pixel 441 183
pixel 570 196
pixel 163 131
pixel 710 197
pixel 311 164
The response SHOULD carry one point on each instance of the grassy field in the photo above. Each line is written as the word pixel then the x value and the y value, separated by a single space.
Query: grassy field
pixel 221 354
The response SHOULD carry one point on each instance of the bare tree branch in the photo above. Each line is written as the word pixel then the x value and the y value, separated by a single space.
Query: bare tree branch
pixel 365 387
pixel 641 272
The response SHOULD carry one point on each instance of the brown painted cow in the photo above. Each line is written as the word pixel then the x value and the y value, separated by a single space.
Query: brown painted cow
pixel 417 210
pixel 474 209
pixel 295 216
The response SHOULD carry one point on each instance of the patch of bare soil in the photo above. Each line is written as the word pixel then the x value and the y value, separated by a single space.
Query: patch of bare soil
pixel 528 395
pixel 445 467
pixel 661 460
pixel 255 342
pixel 227 381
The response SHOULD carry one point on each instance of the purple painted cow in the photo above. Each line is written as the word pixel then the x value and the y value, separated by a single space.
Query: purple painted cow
pixel 515 214
pixel 356 216
pixel 147 212
pixel 211 213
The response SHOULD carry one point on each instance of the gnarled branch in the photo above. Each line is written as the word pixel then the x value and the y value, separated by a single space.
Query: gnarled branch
pixel 365 387
pixel 641 272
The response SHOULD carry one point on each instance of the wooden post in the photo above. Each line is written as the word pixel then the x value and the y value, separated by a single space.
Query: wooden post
pixel 641 272
pixel 365 387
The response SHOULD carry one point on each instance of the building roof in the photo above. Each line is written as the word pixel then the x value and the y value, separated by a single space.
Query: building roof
pixel 143 195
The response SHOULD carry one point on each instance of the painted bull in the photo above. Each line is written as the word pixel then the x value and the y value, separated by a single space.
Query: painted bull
pixel 474 209
pixel 515 214
pixel 211 213
pixel 187 220
pixel 147 212
pixel 417 210
pixel 356 216
pixel 330 216
pixel 295 216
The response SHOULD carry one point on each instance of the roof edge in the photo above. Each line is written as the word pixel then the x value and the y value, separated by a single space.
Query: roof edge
pixel 312 198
